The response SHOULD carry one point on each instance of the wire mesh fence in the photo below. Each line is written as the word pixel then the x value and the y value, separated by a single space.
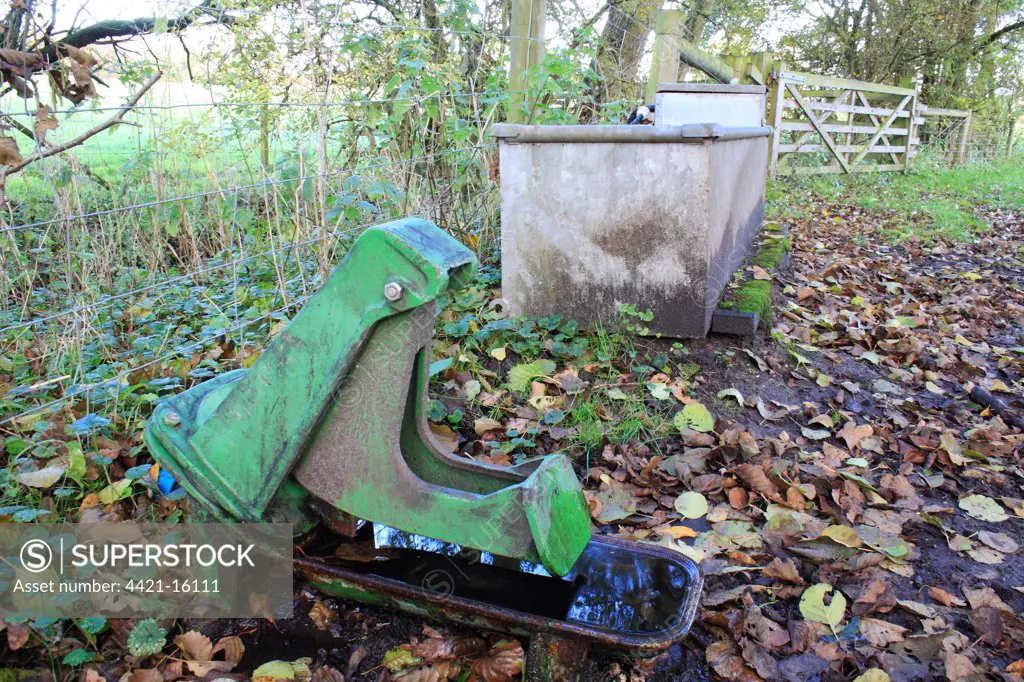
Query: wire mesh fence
pixel 172 244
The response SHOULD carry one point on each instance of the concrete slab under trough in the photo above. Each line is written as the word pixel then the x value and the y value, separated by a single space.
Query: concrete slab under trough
pixel 659 217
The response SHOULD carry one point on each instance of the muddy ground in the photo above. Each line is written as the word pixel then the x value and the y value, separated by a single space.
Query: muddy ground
pixel 866 332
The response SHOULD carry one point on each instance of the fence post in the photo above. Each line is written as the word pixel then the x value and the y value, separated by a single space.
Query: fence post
pixel 965 135
pixel 911 137
pixel 776 98
pixel 526 50
pixel 265 137
pixel 668 41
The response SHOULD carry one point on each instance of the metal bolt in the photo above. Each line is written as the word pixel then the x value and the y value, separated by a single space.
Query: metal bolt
pixel 393 291
pixel 172 418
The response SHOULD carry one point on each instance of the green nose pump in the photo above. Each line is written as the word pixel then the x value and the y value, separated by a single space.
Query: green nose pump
pixel 336 405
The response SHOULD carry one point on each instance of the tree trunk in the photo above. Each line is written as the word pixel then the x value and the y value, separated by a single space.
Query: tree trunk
pixel 622 45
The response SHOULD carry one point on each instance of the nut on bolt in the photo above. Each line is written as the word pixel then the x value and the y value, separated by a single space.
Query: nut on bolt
pixel 393 291
pixel 172 419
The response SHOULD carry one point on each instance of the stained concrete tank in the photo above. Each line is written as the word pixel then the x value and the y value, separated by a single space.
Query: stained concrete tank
pixel 593 217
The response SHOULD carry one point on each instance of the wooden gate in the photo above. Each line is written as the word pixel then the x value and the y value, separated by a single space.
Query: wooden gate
pixel 823 124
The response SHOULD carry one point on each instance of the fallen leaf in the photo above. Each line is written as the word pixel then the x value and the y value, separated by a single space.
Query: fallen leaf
pixel 1000 542
pixel 988 623
pixel 520 376
pixel 844 535
pixel 731 393
pixel 959 666
pixel 115 491
pixel 872 675
pixel 444 435
pixel 617 502
pixel 46 477
pixel 983 508
pixel 917 608
pixel 694 417
pixel 985 596
pixel 853 434
pixel 881 633
pixel 691 505
pixel 503 663
pixel 814 608
pixel 485 424
pixel 783 569
pixel 321 614
pixel 945 598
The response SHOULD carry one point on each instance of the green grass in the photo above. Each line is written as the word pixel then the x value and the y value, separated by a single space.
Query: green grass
pixel 937 202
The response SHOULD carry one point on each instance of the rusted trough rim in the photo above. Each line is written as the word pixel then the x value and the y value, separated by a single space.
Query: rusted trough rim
pixel 317 571
pixel 689 133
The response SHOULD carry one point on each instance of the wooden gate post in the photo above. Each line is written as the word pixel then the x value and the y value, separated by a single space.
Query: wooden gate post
pixel 965 135
pixel 668 42
pixel 776 98
pixel 913 108
pixel 526 50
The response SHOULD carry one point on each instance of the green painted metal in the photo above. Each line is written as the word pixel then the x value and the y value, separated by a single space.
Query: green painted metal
pixel 334 408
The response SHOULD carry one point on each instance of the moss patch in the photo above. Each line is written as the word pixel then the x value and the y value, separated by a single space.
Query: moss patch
pixel 771 252
pixel 749 295
pixel 753 296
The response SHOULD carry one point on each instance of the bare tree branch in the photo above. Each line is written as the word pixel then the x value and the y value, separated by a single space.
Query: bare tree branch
pixel 120 28
pixel 1009 28
pixel 75 141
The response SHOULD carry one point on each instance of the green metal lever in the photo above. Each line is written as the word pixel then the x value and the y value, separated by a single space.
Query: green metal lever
pixel 337 402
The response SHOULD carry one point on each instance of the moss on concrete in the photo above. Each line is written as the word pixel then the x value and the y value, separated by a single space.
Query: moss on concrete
pixel 773 250
pixel 749 295
pixel 753 296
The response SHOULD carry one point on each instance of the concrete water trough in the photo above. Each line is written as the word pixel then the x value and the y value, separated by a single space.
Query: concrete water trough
pixel 659 217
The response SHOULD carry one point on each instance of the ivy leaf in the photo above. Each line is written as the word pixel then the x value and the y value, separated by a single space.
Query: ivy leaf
pixel 813 607
pixel 78 657
pixel 87 425
pixel 92 626
pixel 147 638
